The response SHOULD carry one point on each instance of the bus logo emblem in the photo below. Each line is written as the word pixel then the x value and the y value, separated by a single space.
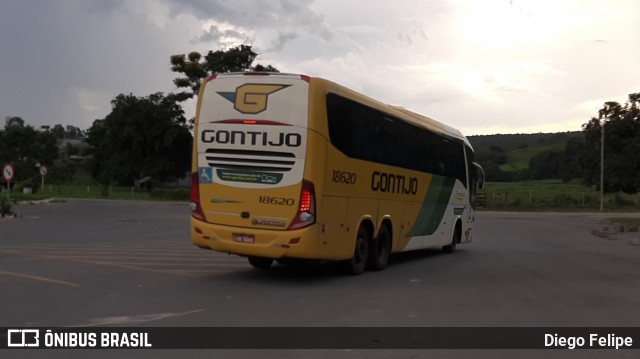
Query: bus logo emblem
pixel 251 98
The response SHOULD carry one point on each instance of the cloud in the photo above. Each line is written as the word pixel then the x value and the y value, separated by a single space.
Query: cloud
pixel 90 101
pixel 225 34
pixel 480 67
pixel 270 25
pixel 54 54
pixel 281 40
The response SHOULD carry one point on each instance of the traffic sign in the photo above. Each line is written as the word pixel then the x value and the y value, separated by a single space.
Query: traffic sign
pixel 7 172
pixel 43 171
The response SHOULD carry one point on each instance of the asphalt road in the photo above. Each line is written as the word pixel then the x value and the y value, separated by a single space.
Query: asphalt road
pixel 101 263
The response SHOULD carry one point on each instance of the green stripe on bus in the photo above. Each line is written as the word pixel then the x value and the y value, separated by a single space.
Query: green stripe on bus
pixel 433 207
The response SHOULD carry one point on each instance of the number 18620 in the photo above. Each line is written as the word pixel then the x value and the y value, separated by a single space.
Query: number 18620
pixel 343 177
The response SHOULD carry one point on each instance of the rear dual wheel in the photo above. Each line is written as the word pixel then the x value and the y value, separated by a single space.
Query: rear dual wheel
pixel 370 254
pixel 357 264
pixel 380 250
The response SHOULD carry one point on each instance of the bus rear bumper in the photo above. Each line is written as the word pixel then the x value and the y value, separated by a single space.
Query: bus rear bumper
pixel 300 243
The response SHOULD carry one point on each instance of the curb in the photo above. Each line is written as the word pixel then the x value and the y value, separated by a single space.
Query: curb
pixel 610 233
pixel 41 201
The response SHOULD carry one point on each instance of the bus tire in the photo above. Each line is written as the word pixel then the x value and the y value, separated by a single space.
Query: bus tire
pixel 454 240
pixel 357 264
pixel 260 262
pixel 380 250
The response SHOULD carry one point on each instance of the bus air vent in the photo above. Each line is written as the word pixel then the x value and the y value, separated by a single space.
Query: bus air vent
pixel 269 161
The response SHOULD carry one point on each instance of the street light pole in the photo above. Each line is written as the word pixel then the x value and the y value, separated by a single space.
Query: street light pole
pixel 606 113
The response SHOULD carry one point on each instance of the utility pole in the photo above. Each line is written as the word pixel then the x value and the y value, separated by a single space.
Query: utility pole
pixel 606 114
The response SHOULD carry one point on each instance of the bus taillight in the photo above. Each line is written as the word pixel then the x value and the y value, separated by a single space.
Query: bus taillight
pixel 196 209
pixel 306 214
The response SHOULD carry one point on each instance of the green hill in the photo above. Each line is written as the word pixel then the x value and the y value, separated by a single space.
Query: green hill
pixel 483 143
pixel 506 158
pixel 518 160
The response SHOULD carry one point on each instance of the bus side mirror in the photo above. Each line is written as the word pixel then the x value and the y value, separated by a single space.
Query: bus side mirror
pixel 480 177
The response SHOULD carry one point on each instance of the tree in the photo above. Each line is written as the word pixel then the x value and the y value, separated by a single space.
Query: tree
pixel 142 136
pixel 545 165
pixel 564 164
pixel 59 131
pixel 621 146
pixel 572 164
pixel 13 121
pixel 195 66
pixel 61 172
pixel 491 161
pixel 25 148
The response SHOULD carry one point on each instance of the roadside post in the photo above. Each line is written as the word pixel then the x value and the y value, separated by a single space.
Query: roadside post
pixel 43 172
pixel 7 174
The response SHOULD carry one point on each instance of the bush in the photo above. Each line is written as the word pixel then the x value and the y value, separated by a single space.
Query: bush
pixel 620 201
pixel 565 200
pixel 5 207
pixel 33 183
pixel 174 194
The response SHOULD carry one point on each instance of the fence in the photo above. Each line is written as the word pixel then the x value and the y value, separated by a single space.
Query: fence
pixel 114 192
pixel 570 200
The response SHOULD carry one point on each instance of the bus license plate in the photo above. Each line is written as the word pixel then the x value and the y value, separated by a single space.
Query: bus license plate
pixel 244 238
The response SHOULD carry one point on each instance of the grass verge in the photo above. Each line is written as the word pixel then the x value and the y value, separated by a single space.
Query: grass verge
pixel 555 195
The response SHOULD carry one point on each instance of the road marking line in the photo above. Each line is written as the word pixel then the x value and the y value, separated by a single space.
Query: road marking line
pixel 97 262
pixel 124 257
pixel 39 278
pixel 188 265
pixel 124 266
pixel 137 319
pixel 114 257
pixel 203 271
pixel 96 251
pixel 110 262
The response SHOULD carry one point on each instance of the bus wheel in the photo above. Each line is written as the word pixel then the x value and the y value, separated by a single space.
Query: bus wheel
pixel 260 262
pixel 357 264
pixel 454 241
pixel 380 250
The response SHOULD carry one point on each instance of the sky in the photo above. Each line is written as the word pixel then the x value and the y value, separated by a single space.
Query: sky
pixel 482 66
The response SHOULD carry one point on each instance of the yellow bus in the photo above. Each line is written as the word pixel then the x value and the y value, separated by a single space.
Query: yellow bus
pixel 288 166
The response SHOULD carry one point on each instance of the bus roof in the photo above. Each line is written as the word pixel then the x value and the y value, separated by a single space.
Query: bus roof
pixel 431 123
pixel 406 115
pixel 398 111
